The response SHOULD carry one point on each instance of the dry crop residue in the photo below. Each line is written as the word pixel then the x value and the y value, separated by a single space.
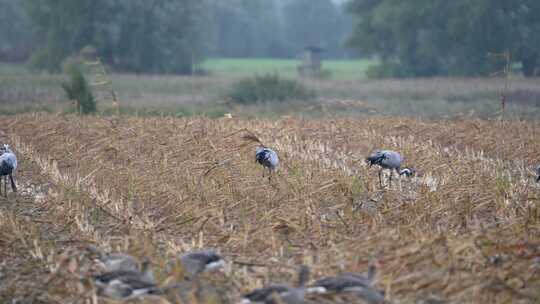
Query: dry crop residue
pixel 466 229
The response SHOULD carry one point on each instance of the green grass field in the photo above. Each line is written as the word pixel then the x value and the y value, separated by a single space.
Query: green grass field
pixel 335 69
pixel 346 93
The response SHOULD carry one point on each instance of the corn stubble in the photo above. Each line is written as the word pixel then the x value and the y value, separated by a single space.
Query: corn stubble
pixel 465 229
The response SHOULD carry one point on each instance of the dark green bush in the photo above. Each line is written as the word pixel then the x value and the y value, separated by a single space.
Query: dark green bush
pixel 268 88
pixel 79 91
pixel 72 63
pixel 79 60
pixel 44 60
pixel 385 70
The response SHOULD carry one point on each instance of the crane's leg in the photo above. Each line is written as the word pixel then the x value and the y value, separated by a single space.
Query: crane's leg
pixel 399 179
pixel 5 186
pixel 380 178
pixel 390 178
pixel 1 185
pixel 13 186
pixel 269 174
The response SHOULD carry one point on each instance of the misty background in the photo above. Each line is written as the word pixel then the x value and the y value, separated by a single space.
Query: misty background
pixel 169 36
pixel 408 38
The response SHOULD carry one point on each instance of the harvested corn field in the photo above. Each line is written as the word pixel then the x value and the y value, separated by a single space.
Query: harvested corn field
pixel 465 229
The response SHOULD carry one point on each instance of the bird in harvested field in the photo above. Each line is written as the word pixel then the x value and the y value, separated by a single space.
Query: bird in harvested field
pixel 268 158
pixel 196 262
pixel 114 261
pixel 349 283
pixel 8 165
pixel 118 261
pixel 280 293
pixel 125 284
pixel 265 156
pixel 538 174
pixel 187 269
pixel 344 281
pixel 387 159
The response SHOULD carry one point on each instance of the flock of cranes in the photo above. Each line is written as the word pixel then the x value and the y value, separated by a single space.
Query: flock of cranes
pixel 265 156
pixel 385 159
pixel 123 277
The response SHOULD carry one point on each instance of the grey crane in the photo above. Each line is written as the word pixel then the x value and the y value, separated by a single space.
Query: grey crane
pixel 114 261
pixel 344 281
pixel 196 262
pixel 125 284
pixel 538 174
pixel 187 269
pixel 268 158
pixel 8 165
pixel 351 283
pixel 280 293
pixel 118 261
pixel 391 160
pixel 265 156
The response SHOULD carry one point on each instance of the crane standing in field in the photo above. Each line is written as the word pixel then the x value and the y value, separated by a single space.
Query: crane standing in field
pixel 8 165
pixel 193 263
pixel 265 156
pixel 346 279
pixel 280 293
pixel 196 262
pixel 538 174
pixel 391 160
pixel 111 262
pixel 355 285
pixel 268 158
pixel 124 284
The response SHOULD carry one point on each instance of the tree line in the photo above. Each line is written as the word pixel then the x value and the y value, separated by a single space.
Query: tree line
pixel 278 29
pixel 441 37
pixel 167 36
pixel 409 38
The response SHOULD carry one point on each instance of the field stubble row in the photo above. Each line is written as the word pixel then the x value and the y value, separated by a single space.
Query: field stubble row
pixel 465 229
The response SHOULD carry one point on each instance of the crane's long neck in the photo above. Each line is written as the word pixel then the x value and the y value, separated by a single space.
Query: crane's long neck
pixel 372 272
pixel 147 272
pixel 303 275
